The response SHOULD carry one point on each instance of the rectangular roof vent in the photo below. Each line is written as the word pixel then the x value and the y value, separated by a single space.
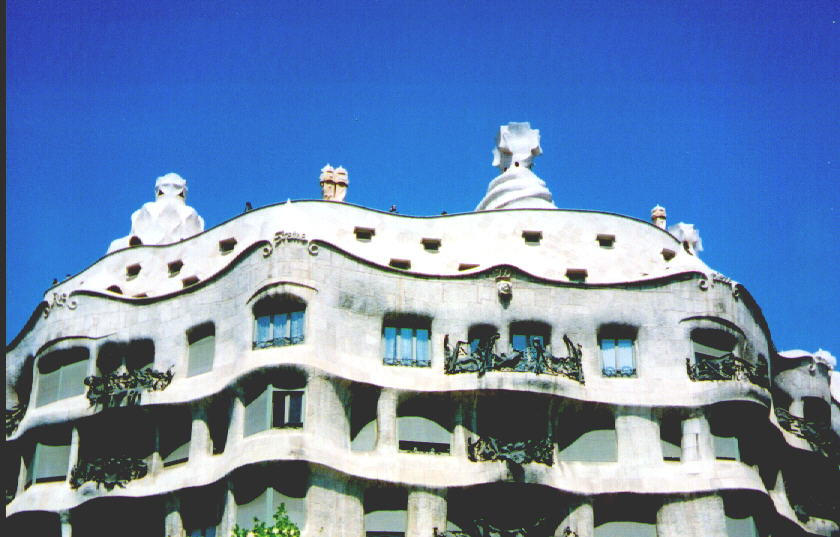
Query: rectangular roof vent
pixel 605 240
pixel 532 237
pixel 576 274
pixel 364 233
pixel 431 245
pixel 404 264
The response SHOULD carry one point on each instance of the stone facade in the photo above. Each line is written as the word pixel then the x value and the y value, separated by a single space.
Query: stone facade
pixel 513 372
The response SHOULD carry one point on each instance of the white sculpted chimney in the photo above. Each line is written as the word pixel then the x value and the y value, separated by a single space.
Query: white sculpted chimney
pixel 334 183
pixel 657 216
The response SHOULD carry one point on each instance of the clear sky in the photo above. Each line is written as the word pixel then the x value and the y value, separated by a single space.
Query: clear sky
pixel 727 113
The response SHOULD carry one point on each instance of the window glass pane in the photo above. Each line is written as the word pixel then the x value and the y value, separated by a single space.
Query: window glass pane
pixel 519 342
pixel 624 354
pixel 406 344
pixel 297 327
pixel 51 462
pixel 474 343
pixel 281 325
pixel 422 346
pixel 295 416
pixel 72 379
pixel 533 340
pixel 279 408
pixel 256 414
pixel 263 328
pixel 608 354
pixel 48 384
pixel 726 447
pixel 201 356
pixel 179 454
pixel 258 507
pixel 390 344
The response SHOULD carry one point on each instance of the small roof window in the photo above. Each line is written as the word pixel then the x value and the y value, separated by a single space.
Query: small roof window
pixel 226 246
pixel 190 280
pixel 175 267
pixel 668 254
pixel 431 245
pixel 576 274
pixel 132 271
pixel 403 264
pixel 605 240
pixel 467 266
pixel 364 233
pixel 532 237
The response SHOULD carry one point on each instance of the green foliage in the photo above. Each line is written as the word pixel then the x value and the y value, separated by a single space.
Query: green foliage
pixel 282 527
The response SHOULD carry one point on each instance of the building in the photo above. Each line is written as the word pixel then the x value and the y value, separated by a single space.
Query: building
pixel 517 370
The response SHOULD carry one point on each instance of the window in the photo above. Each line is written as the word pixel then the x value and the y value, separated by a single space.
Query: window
pixel 260 490
pixel 61 374
pixel 532 237
pixel 279 408
pixel 50 457
pixel 174 267
pixel 481 335
pixel 711 344
pixel 115 357
pixel 190 280
pixel 385 512
pixel 364 233
pixel 132 271
pixel 175 430
pixel 529 338
pixel 424 425
pixel 407 342
pixel 279 322
pixel 431 245
pixel 617 358
pixel 226 246
pixel 403 264
pixel 202 347
pixel 209 531
pixel 605 241
pixel 201 509
pixel 577 275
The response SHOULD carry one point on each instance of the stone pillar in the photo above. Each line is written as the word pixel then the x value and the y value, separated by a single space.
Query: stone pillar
pixel 797 408
pixel 386 421
pixel 228 511
pixel 66 524
pixel 426 511
pixel 463 425
pixel 697 442
pixel 637 434
pixel 325 412
pixel 21 482
pixel 201 445
pixel 173 525
pixel 581 520
pixel 334 506
pixel 73 460
pixel 236 429
pixel 687 516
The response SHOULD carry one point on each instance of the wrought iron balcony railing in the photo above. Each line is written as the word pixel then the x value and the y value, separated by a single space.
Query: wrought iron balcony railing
pixel 820 436
pixel 14 416
pixel 482 528
pixel 116 389
pixel 728 367
pixel 109 472
pixel 533 359
pixel 625 371
pixel 277 342
pixel 487 448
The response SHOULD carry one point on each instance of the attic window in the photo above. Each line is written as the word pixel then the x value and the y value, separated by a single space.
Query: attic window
pixel 192 280
pixel 135 241
pixel 668 254
pixel 364 233
pixel 532 237
pixel 576 274
pixel 175 267
pixel 141 295
pixel 226 246
pixel 467 266
pixel 132 271
pixel 115 289
pixel 605 241
pixel 404 264
pixel 431 245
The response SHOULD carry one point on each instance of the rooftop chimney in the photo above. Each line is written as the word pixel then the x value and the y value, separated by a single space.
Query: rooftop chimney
pixel 334 183
pixel 657 216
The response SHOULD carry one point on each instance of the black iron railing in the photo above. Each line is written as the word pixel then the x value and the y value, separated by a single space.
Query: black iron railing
pixel 14 416
pixel 819 435
pixel 278 342
pixel 533 359
pixel 108 472
pixel 116 389
pixel 728 367
pixel 487 448
pixel 482 528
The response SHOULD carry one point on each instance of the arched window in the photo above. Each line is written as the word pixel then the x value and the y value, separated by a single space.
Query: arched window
pixel 279 321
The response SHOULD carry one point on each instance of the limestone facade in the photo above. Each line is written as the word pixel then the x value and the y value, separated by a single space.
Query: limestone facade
pixel 537 371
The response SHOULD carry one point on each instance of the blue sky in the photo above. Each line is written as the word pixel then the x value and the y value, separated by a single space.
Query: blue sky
pixel 726 113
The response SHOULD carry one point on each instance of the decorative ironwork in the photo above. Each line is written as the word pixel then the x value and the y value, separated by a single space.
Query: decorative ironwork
pixel 109 472
pixel 819 435
pixel 519 452
pixel 278 342
pixel 625 371
pixel 728 367
pixel 14 416
pixel 117 389
pixel 482 528
pixel 533 359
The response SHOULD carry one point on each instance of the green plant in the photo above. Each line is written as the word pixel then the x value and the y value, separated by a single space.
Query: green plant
pixel 283 527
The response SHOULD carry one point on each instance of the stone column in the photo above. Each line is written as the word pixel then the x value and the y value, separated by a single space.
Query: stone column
pixel 73 460
pixel 334 506
pixel 155 460
pixel 426 511
pixel 325 414
pixel 463 428
pixel 581 520
pixel 228 511
pixel 66 523
pixel 637 434
pixel 386 421
pixel 173 525
pixel 797 408
pixel 236 429
pixel 691 516
pixel 201 445
pixel 697 442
